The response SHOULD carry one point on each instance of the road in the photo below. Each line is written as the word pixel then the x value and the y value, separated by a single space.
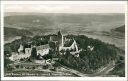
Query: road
pixel 104 70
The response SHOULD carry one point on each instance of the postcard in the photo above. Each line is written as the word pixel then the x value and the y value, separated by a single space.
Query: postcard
pixel 64 40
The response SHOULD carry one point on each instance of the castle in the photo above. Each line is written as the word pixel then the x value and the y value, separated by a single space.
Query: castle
pixel 59 41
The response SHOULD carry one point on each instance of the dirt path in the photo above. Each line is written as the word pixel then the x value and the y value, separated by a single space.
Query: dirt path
pixel 101 72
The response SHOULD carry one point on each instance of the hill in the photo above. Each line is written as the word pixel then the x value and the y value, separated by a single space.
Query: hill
pixel 120 29
pixel 26 21
pixel 118 32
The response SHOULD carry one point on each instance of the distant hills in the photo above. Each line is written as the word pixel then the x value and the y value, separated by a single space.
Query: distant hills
pixel 71 22
pixel 26 21
pixel 12 32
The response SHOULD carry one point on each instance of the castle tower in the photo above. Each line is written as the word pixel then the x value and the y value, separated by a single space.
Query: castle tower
pixel 59 34
pixel 59 38
pixel 62 41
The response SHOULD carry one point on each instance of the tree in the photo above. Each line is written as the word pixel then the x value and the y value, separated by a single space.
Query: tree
pixel 34 53
pixel 7 63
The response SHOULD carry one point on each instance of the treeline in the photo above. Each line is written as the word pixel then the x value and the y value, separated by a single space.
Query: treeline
pixel 16 32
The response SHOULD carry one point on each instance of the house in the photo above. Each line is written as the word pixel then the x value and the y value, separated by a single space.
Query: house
pixel 18 57
pixel 28 50
pixel 43 49
pixel 21 48
pixel 72 47
pixel 91 48
pixel 43 52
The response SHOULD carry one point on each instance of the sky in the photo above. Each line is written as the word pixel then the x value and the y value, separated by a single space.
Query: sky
pixel 80 7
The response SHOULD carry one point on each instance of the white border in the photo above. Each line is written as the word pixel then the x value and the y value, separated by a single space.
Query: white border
pixel 62 78
pixel 2 39
pixel 64 2
pixel 126 41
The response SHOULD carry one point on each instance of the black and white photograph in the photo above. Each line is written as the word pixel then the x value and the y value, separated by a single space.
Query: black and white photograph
pixel 52 40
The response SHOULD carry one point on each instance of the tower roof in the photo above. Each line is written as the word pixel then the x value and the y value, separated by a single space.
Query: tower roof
pixel 59 33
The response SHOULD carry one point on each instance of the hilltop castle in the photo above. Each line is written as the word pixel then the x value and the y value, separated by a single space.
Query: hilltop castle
pixel 58 40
